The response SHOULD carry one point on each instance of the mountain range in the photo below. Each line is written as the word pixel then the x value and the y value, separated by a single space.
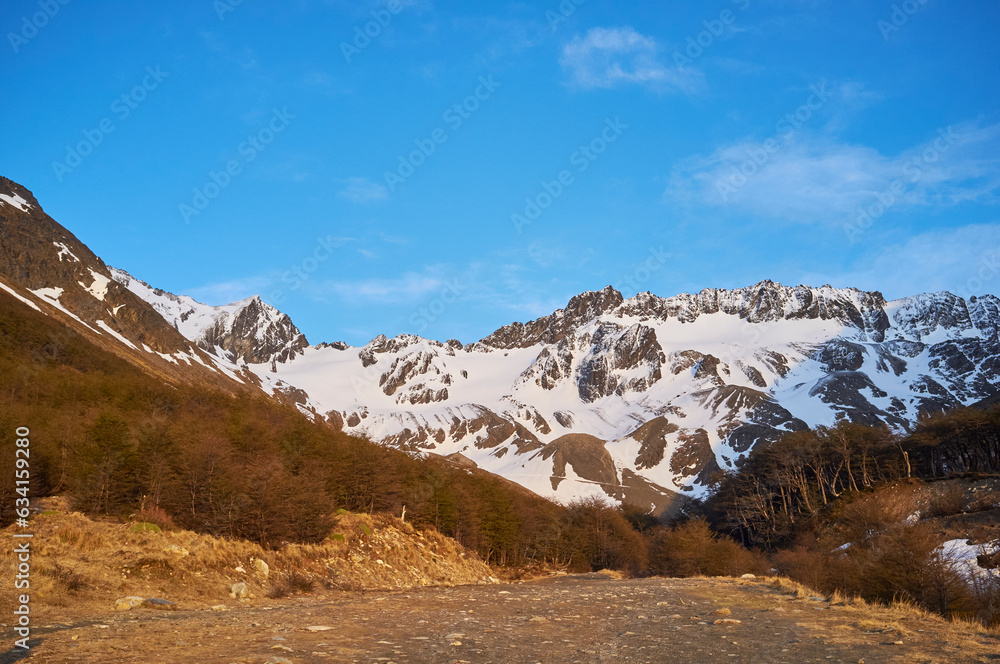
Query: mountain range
pixel 641 399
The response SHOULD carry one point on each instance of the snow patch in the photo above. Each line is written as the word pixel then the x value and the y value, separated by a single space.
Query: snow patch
pixel 99 288
pixel 16 201
pixel 107 328
pixel 64 251
pixel 21 298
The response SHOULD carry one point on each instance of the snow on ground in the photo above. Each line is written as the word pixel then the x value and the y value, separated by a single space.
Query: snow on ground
pixel 51 296
pixel 107 328
pixel 64 252
pixel 20 297
pixel 99 288
pixel 962 557
pixel 15 201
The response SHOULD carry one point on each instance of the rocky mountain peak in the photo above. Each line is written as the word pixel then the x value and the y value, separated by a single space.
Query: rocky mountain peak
pixel 581 310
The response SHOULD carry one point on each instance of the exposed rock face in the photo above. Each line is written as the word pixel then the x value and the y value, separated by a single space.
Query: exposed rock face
pixel 619 361
pixel 581 310
pixel 256 334
pixel 769 302
pixel 245 332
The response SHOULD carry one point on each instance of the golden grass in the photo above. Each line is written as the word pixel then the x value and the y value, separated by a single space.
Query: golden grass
pixel 77 560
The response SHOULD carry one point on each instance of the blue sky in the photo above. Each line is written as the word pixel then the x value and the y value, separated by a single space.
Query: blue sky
pixel 465 165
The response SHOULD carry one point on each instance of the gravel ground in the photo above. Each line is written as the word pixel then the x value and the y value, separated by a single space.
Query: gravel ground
pixel 578 618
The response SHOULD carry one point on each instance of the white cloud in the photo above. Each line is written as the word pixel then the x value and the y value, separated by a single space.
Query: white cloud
pixel 403 289
pixel 609 57
pixel 964 261
pixel 227 292
pixel 363 190
pixel 810 178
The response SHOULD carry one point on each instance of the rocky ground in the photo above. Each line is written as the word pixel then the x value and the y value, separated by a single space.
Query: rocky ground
pixel 581 618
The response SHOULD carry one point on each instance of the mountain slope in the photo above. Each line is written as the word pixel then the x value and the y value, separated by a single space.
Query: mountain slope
pixel 641 399
pixel 248 331
pixel 673 388
pixel 46 267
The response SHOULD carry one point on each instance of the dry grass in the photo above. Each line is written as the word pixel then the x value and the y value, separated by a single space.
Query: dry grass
pixel 80 563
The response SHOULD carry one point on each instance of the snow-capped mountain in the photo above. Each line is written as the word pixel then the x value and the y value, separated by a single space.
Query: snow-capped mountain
pixel 641 399
pixel 244 332
pixel 645 397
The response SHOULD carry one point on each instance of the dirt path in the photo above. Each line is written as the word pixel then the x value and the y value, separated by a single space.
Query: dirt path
pixel 583 618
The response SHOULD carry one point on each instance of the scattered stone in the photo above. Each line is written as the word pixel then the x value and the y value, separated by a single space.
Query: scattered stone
pixel 538 619
pixel 128 603
pixel 239 590
pixel 722 612
pixel 727 621
pixel 281 647
pixel 239 568
pixel 261 568
pixel 749 577
pixel 663 603
pixel 319 628
pixel 897 643
pixel 220 607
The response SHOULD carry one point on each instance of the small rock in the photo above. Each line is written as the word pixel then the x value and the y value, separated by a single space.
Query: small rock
pixel 538 619
pixel 727 621
pixel 220 607
pixel 897 643
pixel 127 603
pixel 177 550
pixel 261 568
pixel 239 568
pixel 663 603
pixel 319 628
pixel 281 647
pixel 161 604
pixel 722 612
pixel 239 590
pixel 749 577
pixel 278 638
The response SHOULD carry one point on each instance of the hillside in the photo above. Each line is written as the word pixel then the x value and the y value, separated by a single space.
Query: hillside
pixel 642 400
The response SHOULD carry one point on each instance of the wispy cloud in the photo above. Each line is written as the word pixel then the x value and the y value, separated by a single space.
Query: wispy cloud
pixel 404 289
pixel 227 292
pixel 964 261
pixel 611 57
pixel 362 190
pixel 816 178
